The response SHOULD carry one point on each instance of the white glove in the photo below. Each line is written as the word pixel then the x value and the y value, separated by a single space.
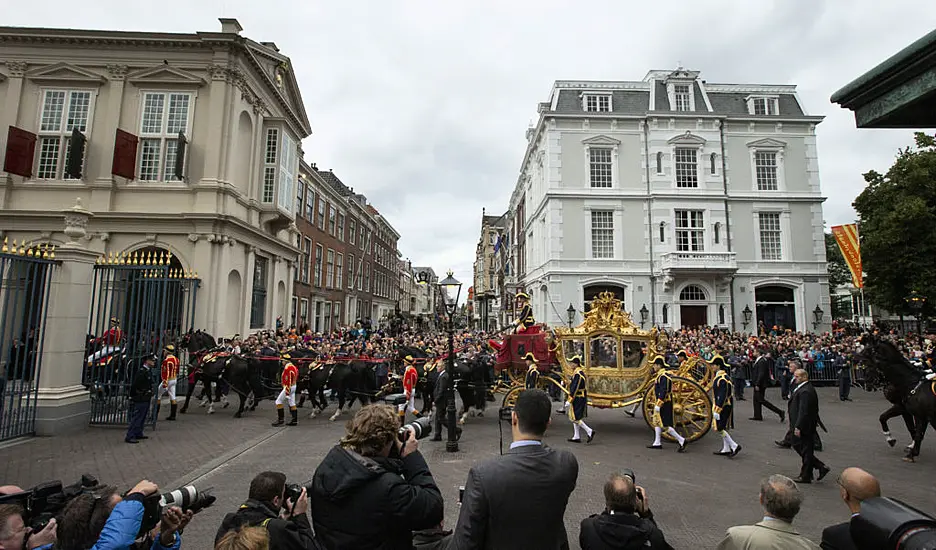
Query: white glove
pixel 931 376
pixel 716 416
pixel 656 408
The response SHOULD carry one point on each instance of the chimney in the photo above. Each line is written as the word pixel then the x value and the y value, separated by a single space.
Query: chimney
pixel 230 25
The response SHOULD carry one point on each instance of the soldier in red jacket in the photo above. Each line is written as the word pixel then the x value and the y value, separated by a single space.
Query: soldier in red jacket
pixel 410 377
pixel 288 394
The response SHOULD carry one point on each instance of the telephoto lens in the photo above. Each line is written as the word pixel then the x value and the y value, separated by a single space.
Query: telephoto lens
pixel 421 427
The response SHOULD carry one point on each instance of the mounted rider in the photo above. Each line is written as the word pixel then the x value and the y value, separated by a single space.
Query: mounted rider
pixel 525 320
pixel 110 341
pixel 290 377
pixel 169 375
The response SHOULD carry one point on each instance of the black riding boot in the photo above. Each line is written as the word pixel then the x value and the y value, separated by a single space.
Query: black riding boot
pixel 173 407
pixel 294 414
pixel 279 417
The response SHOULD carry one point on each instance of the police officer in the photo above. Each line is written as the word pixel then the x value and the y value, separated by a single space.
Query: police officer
pixel 578 398
pixel 287 394
pixel 663 391
pixel 525 320
pixel 722 409
pixel 532 374
pixel 141 393
pixel 169 374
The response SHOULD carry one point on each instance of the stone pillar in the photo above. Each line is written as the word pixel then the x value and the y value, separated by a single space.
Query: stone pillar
pixel 63 403
pixel 9 115
pixel 248 288
pixel 107 120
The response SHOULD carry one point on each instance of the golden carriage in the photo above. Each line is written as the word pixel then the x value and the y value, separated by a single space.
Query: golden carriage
pixel 616 356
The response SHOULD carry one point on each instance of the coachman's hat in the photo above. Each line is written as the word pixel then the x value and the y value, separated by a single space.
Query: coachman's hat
pixel 523 296
pixel 529 357
pixel 577 360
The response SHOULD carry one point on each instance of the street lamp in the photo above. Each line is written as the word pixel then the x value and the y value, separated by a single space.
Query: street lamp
pixel 644 312
pixel 817 316
pixel 916 301
pixel 570 314
pixel 449 292
pixel 747 316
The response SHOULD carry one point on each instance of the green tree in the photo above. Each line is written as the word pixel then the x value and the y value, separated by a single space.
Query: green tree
pixel 839 275
pixel 897 215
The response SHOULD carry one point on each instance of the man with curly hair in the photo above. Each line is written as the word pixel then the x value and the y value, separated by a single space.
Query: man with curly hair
pixel 373 489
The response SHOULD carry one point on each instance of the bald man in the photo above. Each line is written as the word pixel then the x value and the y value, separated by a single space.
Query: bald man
pixel 805 402
pixel 855 486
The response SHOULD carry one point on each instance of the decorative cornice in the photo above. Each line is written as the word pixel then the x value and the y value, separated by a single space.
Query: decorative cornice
pixel 17 68
pixel 165 74
pixel 64 72
pixel 117 72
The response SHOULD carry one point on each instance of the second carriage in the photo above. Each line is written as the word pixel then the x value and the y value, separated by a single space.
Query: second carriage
pixel 616 356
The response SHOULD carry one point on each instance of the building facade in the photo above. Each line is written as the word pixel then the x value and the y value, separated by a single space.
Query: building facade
pixel 695 203
pixel 385 265
pixel 181 143
pixel 488 284
pixel 427 297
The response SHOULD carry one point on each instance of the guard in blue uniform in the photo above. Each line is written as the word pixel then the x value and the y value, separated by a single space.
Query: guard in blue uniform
pixel 663 409
pixel 532 374
pixel 723 390
pixel 578 398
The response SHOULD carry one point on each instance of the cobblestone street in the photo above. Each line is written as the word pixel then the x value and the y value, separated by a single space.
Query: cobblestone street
pixel 694 496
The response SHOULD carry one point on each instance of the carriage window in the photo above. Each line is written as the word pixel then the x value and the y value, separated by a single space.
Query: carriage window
pixel 603 352
pixel 632 354
pixel 571 348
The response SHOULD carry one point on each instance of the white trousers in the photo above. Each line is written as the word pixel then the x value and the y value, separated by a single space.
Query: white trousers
pixel 169 388
pixel 410 405
pixel 287 397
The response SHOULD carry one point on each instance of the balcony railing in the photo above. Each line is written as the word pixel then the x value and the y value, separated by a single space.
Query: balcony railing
pixel 699 261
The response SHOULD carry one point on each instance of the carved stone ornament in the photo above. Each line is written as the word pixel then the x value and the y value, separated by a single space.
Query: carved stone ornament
pixel 105 236
pixel 17 68
pixel 76 223
pixel 193 237
pixel 117 72
pixel 253 249
pixel 217 72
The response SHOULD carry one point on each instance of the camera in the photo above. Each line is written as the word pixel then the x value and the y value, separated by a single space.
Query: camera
pixel 890 523
pixel 187 498
pixel 44 501
pixel 294 490
pixel 420 427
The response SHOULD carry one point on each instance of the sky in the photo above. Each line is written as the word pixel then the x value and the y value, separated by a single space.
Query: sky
pixel 422 105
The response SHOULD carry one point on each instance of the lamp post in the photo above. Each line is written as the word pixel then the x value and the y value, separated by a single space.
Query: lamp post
pixel 817 316
pixel 644 312
pixel 570 314
pixel 747 316
pixel 916 301
pixel 449 292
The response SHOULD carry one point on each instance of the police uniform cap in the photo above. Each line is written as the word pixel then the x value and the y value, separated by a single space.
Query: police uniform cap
pixel 149 357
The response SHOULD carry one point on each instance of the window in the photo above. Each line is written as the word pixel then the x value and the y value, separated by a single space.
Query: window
pixel 765 167
pixel 258 294
pixel 662 232
pixel 305 260
pixel 321 213
pixel 367 277
pixel 295 311
pixel 712 159
pixel 659 163
pixel 339 270
pixel 599 161
pixel 289 164
pixel 681 94
pixel 310 205
pixel 370 242
pixel 686 167
pixel 332 215
pixel 340 227
pixel 165 116
pixel 303 313
pixel 350 272
pixel 352 226
pixel 62 112
pixel 330 269
pixel 602 230
pixel 360 276
pixel 269 164
pixel 300 196
pixel 717 232
pixel 665 314
pixel 763 106
pixel 597 103
pixel 689 231
pixel 769 223
pixel 317 274
pixel 336 312
pixel 692 293
pixel 327 318
pixel 361 237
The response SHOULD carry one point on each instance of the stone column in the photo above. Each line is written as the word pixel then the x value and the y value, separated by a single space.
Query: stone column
pixel 63 403
pixel 107 120
pixel 248 288
pixel 10 113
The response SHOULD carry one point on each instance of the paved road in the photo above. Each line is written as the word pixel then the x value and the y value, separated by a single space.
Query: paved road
pixel 695 496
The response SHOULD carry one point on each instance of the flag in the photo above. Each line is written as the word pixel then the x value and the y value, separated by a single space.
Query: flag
pixel 497 244
pixel 847 238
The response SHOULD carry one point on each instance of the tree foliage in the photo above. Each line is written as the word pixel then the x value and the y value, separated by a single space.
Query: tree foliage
pixel 897 215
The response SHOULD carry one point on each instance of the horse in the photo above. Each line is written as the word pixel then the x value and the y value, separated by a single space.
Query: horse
pixel 428 375
pixel 472 380
pixel 208 367
pixel 350 379
pixel 254 378
pixel 885 365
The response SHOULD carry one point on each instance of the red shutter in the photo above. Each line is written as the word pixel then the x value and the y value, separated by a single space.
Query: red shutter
pixel 20 151
pixel 125 150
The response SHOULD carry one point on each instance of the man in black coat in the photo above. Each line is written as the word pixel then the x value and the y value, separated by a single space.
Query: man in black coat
pixel 371 491
pixel 519 500
pixel 627 522
pixel 787 441
pixel 262 508
pixel 855 486
pixel 805 402
pixel 761 380
pixel 141 394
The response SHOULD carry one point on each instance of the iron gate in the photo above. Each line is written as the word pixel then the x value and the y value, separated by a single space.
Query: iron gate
pixel 140 303
pixel 24 298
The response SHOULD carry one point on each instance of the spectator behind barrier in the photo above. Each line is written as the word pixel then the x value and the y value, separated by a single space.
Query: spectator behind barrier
pixel 855 486
pixel 627 521
pixel 781 500
pixel 287 530
pixel 245 538
pixel 372 491
pixel 15 535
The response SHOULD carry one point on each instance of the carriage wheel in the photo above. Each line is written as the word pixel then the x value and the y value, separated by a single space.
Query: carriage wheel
pixel 511 398
pixel 517 378
pixel 692 409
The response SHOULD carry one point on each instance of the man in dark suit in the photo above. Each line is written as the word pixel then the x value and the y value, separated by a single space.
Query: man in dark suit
pixel 519 500
pixel 760 380
pixel 805 402
pixel 787 441
pixel 855 486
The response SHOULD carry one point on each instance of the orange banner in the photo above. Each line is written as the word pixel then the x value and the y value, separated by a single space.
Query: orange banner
pixel 847 238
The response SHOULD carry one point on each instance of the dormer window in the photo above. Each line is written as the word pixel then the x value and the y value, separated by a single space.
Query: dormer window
pixel 597 103
pixel 682 97
pixel 763 105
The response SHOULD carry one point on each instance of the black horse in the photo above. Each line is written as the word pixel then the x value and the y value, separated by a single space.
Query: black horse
pixel 905 387
pixel 472 381
pixel 428 375
pixel 207 367
pixel 352 380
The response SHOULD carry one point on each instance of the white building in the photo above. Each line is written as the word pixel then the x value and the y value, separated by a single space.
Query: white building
pixel 693 202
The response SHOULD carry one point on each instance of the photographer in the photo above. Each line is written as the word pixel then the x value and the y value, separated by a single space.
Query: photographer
pixel 373 490
pixel 15 535
pixel 626 522
pixel 288 527
pixel 106 521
